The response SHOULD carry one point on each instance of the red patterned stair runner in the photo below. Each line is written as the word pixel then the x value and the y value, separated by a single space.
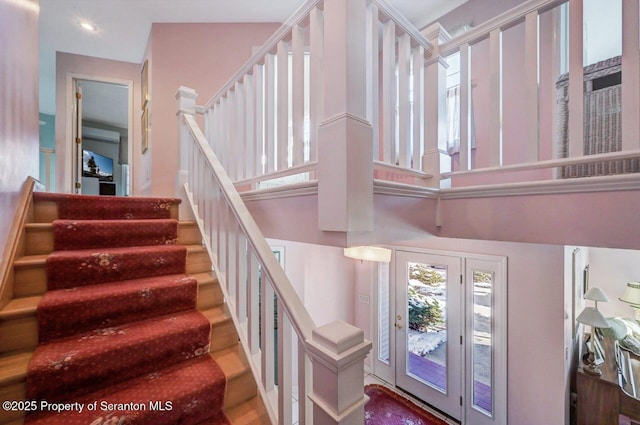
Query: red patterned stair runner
pixel 121 341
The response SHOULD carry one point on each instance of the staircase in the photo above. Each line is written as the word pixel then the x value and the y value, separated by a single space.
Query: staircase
pixel 98 318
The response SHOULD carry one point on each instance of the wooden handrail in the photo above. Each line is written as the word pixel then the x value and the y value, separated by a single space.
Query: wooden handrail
pixel 13 246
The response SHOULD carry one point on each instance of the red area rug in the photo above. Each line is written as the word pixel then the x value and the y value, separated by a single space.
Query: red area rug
pixel 386 407
pixel 118 325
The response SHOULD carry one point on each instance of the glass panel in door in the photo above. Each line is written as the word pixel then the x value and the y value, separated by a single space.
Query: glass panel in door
pixel 482 341
pixel 427 333
pixel 428 329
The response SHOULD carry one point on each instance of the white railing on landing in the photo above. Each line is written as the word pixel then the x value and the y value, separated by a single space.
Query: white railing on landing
pixel 522 29
pixel 264 124
pixel 314 364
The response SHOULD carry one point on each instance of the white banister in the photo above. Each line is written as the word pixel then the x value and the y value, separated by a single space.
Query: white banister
pixel 253 283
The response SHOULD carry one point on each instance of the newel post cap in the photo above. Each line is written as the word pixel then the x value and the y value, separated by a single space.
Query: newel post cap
pixel 338 344
pixel 186 100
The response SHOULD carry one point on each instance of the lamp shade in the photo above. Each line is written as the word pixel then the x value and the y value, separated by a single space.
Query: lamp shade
pixel 596 294
pixel 368 253
pixel 592 317
pixel 632 294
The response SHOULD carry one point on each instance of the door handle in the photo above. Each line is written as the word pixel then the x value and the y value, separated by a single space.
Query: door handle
pixel 398 325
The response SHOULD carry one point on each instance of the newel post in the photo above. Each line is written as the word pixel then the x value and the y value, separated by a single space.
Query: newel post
pixel 186 106
pixel 436 159
pixel 338 351
pixel 345 136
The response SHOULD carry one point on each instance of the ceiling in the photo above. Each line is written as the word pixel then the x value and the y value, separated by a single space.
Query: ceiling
pixel 123 26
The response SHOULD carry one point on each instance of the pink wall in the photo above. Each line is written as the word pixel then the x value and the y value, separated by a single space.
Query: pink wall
pixel 202 57
pixel 601 219
pixel 78 66
pixel 18 104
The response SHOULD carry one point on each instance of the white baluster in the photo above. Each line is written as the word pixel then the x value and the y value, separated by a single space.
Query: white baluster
pixel 576 80
pixel 232 258
pixel 532 80
pixel 389 92
pixel 267 335
pixel 417 59
pixel 282 142
pixel 241 286
pixel 240 141
pixel 258 90
pixel 297 50
pixel 305 385
pixel 373 76
pixel 495 103
pixel 270 112
pixel 465 107
pixel 250 134
pixel 404 105
pixel 232 147
pixel 316 69
pixel 285 378
pixel 254 310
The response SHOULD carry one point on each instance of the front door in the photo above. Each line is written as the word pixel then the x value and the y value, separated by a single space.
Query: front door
pixel 428 328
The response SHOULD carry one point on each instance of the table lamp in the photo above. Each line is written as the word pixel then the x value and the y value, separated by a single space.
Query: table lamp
pixel 596 294
pixel 590 316
pixel 632 296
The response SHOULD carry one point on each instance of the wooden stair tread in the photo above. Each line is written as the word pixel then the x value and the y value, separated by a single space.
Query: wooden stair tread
pixel 251 412
pixel 231 360
pixel 14 368
pixel 216 315
pixel 19 307
pixel 31 260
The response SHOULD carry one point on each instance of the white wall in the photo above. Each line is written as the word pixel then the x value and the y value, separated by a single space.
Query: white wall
pixel 323 277
pixel 18 104
pixel 610 270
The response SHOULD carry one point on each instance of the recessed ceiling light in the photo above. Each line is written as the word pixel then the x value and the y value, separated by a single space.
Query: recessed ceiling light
pixel 88 26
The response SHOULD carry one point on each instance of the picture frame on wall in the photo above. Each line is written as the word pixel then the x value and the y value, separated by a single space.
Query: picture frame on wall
pixel 144 124
pixel 144 85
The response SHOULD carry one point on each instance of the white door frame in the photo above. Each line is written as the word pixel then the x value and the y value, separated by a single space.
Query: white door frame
pixel 69 157
pixel 448 399
pixel 386 369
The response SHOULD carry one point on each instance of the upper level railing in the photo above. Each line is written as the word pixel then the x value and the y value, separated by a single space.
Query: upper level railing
pixel 531 111
pixel 514 117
